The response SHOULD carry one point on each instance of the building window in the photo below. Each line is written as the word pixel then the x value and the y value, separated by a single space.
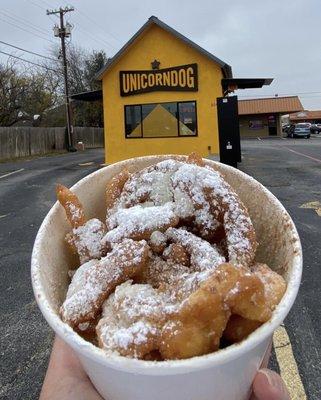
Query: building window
pixel 161 120
pixel 132 121
pixel 256 124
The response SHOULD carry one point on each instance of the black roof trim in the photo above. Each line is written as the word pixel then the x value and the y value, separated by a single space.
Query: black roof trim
pixel 93 95
pixel 246 83
pixel 227 70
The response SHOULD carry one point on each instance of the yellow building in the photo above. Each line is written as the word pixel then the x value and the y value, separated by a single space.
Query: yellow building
pixel 159 95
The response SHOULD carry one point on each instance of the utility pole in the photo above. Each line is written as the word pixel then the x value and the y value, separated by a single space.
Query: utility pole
pixel 64 31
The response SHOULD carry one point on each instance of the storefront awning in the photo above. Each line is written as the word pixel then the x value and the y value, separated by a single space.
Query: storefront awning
pixel 94 95
pixel 231 84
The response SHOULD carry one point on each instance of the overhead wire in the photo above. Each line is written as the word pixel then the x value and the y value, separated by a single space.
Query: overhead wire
pixel 30 62
pixel 301 94
pixel 96 39
pixel 41 8
pixel 97 25
pixel 23 21
pixel 28 51
pixel 46 2
pixel 25 30
pixel 35 4
pixel 79 27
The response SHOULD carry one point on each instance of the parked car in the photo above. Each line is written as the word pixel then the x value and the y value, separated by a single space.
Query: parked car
pixel 315 128
pixel 299 130
pixel 286 127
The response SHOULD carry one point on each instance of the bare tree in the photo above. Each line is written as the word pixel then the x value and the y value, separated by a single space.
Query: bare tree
pixel 24 92
pixel 13 89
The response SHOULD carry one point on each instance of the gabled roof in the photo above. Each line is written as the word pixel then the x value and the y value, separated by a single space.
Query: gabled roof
pixel 227 70
pixel 282 105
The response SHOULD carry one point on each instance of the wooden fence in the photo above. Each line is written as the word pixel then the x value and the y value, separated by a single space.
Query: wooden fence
pixel 24 141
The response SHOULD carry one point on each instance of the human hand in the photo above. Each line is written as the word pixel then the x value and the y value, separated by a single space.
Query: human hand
pixel 268 385
pixel 66 379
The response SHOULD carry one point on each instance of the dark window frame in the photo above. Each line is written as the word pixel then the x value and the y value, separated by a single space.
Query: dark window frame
pixel 178 120
pixel 141 127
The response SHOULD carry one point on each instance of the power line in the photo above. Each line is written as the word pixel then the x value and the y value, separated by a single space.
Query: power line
pixel 46 2
pixel 97 25
pixel 280 95
pixel 41 8
pixel 30 62
pixel 95 39
pixel 28 51
pixel 81 30
pixel 35 4
pixel 25 30
pixel 22 21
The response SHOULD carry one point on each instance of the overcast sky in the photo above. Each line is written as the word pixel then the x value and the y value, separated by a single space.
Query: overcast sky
pixel 276 38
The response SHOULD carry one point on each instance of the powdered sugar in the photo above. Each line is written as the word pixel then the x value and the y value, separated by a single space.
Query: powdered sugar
pixel 75 212
pixel 88 239
pixel 131 318
pixel 189 192
pixel 204 256
pixel 152 203
pixel 94 281
pixel 157 238
pixel 160 272
pixel 139 220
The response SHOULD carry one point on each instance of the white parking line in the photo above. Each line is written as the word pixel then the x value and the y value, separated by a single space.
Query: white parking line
pixel 10 173
pixel 303 155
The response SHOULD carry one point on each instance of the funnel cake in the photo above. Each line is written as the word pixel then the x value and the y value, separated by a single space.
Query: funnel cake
pixel 172 269
pixel 85 239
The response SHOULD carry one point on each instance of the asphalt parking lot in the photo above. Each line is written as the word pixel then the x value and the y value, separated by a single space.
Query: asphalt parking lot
pixel 290 168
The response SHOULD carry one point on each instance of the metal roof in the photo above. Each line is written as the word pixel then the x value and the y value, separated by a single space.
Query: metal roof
pixel 227 70
pixel 282 105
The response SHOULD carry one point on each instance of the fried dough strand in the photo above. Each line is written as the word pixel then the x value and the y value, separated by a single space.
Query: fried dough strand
pixel 114 188
pixel 198 326
pixel 94 281
pixel 239 328
pixel 73 207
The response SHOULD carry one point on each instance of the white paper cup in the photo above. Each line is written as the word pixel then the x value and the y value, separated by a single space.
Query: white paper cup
pixel 224 375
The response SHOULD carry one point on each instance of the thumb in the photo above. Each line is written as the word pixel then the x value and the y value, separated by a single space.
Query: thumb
pixel 268 385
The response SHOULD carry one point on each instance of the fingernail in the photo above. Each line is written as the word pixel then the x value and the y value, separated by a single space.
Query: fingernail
pixel 272 378
pixel 266 373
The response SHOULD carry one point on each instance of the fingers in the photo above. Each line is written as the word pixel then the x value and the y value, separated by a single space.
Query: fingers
pixel 65 378
pixel 268 385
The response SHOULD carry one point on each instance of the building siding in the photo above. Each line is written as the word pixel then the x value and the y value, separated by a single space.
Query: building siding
pixel 247 132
